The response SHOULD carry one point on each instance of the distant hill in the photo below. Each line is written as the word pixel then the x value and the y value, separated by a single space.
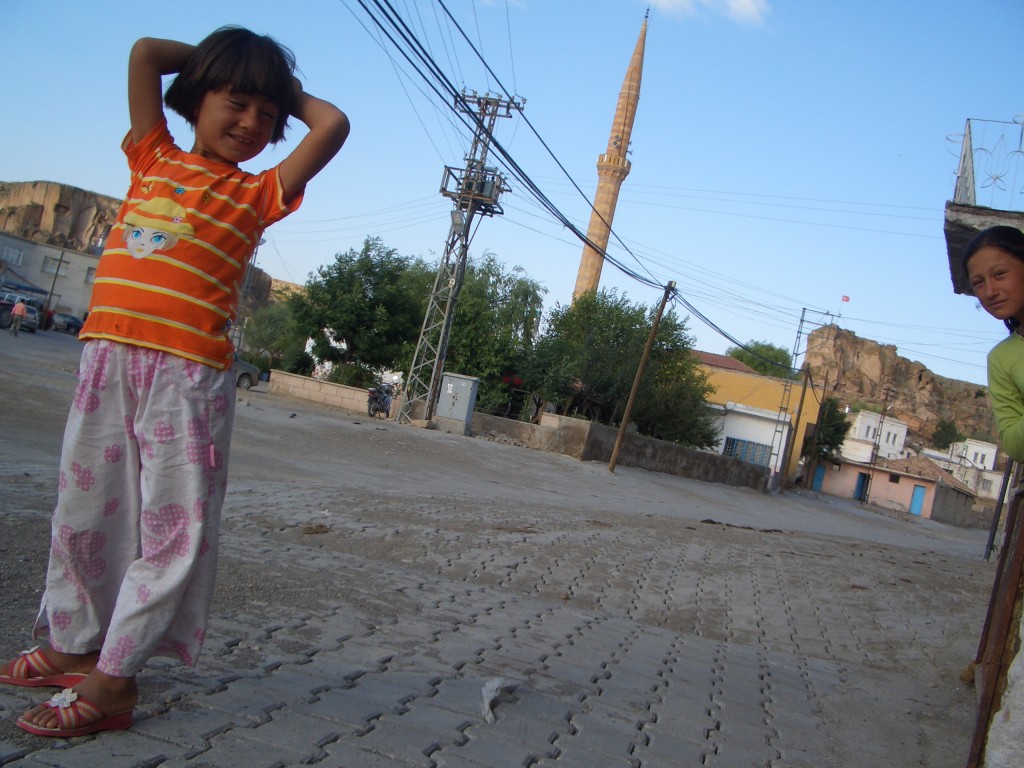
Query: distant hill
pixel 857 371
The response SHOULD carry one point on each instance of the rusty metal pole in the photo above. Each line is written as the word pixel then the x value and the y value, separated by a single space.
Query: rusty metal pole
pixel 1007 474
pixel 639 375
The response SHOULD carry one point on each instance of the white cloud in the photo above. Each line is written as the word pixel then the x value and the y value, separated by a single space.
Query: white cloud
pixel 750 12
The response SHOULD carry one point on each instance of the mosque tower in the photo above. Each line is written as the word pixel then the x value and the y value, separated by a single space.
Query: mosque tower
pixel 612 169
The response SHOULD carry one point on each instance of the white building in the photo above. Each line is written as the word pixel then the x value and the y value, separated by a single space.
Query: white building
pixel 869 430
pixel 972 462
pixel 977 453
pixel 750 433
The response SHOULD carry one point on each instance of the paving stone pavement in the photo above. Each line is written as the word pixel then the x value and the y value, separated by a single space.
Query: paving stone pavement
pixel 376 579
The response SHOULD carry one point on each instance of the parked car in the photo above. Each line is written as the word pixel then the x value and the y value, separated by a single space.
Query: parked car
pixel 246 374
pixel 65 322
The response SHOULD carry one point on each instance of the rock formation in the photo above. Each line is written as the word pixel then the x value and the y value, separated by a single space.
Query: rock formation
pixel 57 214
pixel 859 371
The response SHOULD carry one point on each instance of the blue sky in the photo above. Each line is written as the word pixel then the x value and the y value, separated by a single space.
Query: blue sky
pixel 785 153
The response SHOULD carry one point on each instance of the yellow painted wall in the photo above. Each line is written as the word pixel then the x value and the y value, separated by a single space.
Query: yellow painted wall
pixel 766 392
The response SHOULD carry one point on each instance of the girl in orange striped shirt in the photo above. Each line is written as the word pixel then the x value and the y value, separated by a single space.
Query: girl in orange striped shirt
pixel 144 464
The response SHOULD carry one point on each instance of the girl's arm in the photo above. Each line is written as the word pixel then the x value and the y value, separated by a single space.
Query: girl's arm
pixel 150 59
pixel 328 129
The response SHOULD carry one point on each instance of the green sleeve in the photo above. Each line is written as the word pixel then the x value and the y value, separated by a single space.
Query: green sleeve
pixel 1006 392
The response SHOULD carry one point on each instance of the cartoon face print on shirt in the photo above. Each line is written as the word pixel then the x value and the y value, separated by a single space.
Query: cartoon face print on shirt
pixel 155 225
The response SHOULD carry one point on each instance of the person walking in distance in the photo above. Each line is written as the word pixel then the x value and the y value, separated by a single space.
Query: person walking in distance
pixel 18 313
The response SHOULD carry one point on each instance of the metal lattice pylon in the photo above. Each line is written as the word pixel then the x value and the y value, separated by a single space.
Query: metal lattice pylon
pixel 474 190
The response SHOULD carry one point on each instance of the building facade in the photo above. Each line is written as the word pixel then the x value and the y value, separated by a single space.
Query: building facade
pixel 869 431
pixel 763 419
pixel 972 462
pixel 60 277
pixel 912 486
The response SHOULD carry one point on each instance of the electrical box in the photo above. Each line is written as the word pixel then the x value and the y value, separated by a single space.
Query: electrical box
pixel 458 397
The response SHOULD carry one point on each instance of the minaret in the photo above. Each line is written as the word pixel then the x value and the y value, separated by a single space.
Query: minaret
pixel 612 169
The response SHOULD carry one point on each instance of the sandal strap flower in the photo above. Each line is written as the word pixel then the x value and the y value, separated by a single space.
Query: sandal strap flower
pixel 64 699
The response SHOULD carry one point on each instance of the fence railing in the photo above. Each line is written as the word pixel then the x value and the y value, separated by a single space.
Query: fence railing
pixel 991 169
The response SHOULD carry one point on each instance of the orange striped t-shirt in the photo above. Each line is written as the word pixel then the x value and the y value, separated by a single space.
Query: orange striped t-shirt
pixel 169 275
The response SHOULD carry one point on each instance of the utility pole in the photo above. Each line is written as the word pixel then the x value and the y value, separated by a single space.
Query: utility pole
pixel 794 427
pixel 639 375
pixel 53 284
pixel 812 465
pixel 888 393
pixel 779 440
pixel 783 437
pixel 243 299
pixel 474 190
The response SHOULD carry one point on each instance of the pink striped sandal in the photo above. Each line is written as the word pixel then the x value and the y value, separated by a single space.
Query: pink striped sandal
pixel 77 717
pixel 32 669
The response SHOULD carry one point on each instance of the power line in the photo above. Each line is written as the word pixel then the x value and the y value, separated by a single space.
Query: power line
pixel 421 62
pixel 518 173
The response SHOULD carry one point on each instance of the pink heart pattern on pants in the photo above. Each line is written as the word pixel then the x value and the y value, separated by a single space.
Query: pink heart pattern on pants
pixel 165 534
pixel 81 550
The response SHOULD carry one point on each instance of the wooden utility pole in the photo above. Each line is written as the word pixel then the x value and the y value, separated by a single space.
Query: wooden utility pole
pixel 53 283
pixel 639 375
pixel 794 428
pixel 888 393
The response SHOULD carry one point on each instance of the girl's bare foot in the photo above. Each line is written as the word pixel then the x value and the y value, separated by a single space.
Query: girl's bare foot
pixel 108 694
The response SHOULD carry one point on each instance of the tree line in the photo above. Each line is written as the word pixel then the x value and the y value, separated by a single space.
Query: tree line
pixel 363 312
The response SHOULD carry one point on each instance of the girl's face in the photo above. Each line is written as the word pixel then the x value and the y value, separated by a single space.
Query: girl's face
pixel 997 279
pixel 233 127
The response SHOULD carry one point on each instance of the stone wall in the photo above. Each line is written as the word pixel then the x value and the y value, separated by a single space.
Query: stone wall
pixel 660 456
pixel 336 395
pixel 954 507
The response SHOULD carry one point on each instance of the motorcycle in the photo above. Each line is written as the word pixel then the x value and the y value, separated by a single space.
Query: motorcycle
pixel 379 399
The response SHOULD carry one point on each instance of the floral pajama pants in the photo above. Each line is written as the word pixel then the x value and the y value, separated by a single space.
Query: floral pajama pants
pixel 143 471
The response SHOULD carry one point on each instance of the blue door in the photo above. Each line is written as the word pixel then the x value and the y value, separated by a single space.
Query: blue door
pixel 819 478
pixel 917 502
pixel 862 486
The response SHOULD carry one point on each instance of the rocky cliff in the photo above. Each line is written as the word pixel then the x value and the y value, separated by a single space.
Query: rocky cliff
pixel 860 370
pixel 57 214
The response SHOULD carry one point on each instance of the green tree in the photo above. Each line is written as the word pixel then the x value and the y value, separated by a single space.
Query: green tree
pixel 365 312
pixel 587 357
pixel 946 433
pixel 273 337
pixel 829 433
pixel 585 360
pixel 672 402
pixel 765 358
pixel 497 318
pixel 366 308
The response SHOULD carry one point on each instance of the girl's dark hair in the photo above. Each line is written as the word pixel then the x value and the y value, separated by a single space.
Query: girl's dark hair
pixel 1009 239
pixel 241 60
